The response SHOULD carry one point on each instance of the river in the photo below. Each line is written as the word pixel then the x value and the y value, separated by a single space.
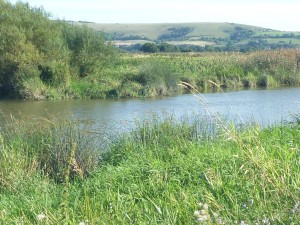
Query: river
pixel 263 106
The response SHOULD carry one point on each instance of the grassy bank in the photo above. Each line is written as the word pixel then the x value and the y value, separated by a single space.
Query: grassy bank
pixel 164 172
pixel 42 58
pixel 140 75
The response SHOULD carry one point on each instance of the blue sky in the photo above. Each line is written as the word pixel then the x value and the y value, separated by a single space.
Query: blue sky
pixel 275 14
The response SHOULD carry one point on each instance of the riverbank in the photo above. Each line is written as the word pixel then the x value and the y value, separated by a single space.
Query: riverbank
pixel 42 58
pixel 52 172
pixel 150 75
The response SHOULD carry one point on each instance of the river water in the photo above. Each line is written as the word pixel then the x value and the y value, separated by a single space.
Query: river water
pixel 265 107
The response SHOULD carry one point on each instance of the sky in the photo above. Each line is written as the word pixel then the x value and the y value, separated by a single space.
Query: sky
pixel 281 15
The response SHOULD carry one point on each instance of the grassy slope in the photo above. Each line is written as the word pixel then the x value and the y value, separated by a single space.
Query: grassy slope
pixel 159 175
pixel 198 32
pixel 153 31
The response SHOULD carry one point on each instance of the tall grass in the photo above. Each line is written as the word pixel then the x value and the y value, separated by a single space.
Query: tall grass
pixel 46 143
pixel 138 75
pixel 165 171
pixel 157 174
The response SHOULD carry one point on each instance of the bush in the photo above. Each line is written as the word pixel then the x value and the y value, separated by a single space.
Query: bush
pixel 249 80
pixel 150 48
pixel 32 88
pixel 158 78
pixel 266 81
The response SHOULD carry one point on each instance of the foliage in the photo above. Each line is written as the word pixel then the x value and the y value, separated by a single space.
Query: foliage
pixel 241 33
pixel 46 59
pixel 202 36
pixel 164 172
pixel 165 47
pixel 89 53
pixel 175 33
pixel 149 47
pixel 33 47
pixel 137 75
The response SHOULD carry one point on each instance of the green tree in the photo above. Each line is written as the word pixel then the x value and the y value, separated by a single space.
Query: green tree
pixel 37 51
pixel 89 51
pixel 149 47
pixel 165 47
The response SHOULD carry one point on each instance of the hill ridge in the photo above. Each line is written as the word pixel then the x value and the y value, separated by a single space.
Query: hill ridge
pixel 218 34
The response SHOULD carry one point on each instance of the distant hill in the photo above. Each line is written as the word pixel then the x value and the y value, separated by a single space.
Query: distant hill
pixel 214 36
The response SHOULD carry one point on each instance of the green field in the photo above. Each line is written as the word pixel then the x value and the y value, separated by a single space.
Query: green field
pixel 189 33
pixel 191 42
pixel 218 30
pixel 153 31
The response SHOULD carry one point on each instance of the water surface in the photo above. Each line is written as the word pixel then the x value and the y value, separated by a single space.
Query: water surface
pixel 262 106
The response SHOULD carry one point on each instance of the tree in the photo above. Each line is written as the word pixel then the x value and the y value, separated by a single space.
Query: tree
pixel 149 47
pixel 89 51
pixel 165 47
pixel 34 48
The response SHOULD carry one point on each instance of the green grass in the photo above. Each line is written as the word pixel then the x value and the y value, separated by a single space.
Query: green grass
pixel 150 75
pixel 157 174
pixel 154 30
pixel 283 40
pixel 211 33
pixel 191 42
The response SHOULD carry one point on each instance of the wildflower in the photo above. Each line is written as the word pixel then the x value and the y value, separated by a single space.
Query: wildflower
pixel 247 204
pixel 215 215
pixel 203 218
pixel 84 223
pixel 205 206
pixel 197 213
pixel 296 208
pixel 266 221
pixel 41 217
pixel 219 221
pixel 202 213
pixel 3 212
pixel 251 202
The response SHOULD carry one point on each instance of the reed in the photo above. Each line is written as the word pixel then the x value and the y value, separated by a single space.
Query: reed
pixel 137 75
pixel 47 143
pixel 166 171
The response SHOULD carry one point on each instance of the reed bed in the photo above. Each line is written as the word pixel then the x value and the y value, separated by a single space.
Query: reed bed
pixel 159 74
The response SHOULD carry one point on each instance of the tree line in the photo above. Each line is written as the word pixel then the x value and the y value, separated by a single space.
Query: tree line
pixel 231 46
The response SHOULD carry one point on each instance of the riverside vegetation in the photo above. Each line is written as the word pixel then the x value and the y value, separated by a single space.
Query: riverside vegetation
pixel 166 171
pixel 51 59
pixel 56 170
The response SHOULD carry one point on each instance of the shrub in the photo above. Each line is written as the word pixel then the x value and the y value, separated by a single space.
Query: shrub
pixel 158 78
pixel 32 88
pixel 266 81
pixel 249 80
